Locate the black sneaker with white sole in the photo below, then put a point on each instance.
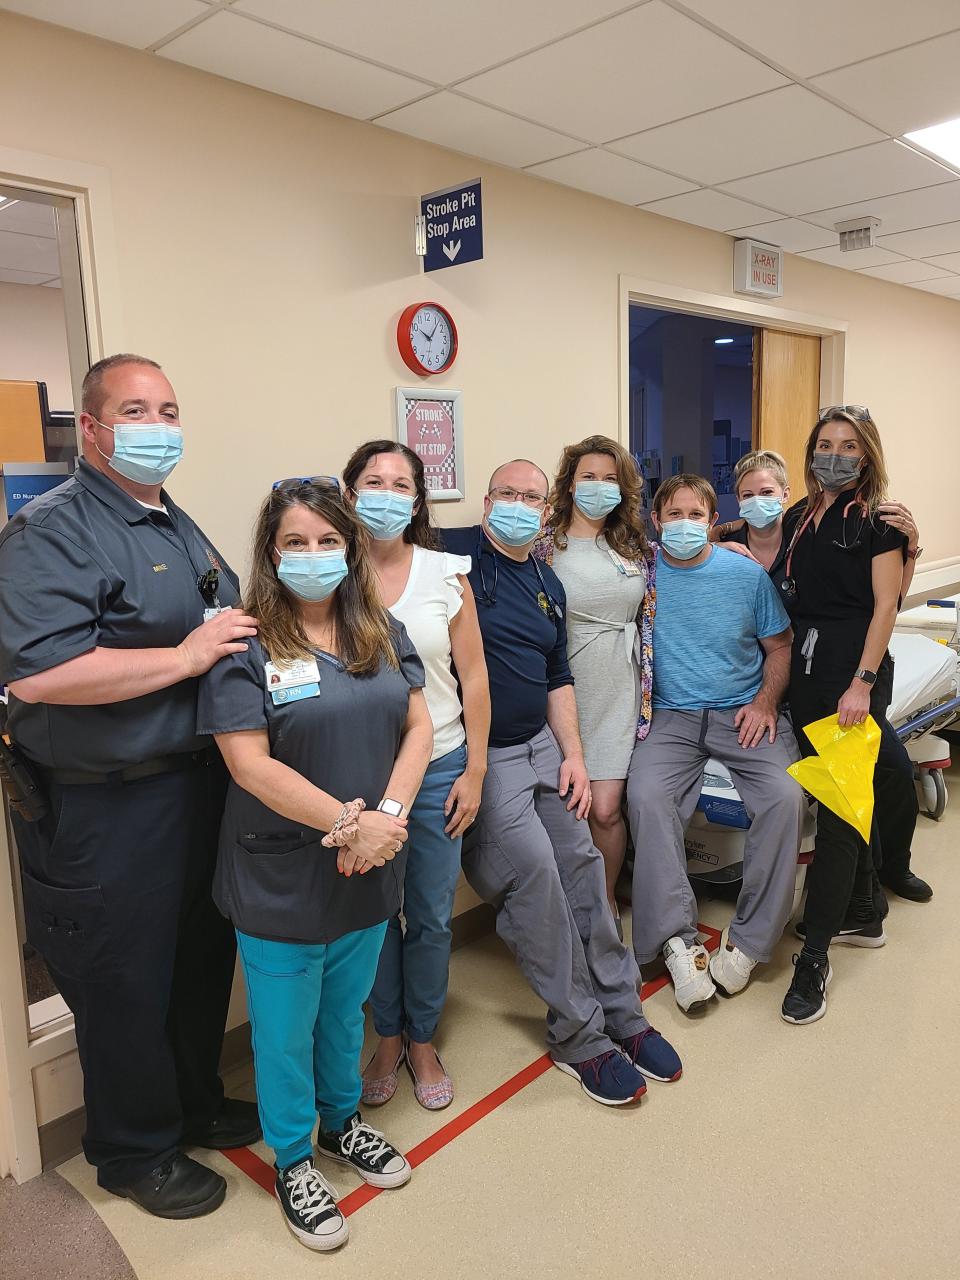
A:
(853, 933)
(310, 1207)
(806, 1001)
(367, 1151)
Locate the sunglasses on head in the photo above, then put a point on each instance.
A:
(854, 411)
(301, 482)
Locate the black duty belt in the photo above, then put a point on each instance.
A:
(133, 773)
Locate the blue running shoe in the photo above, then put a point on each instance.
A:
(608, 1079)
(654, 1056)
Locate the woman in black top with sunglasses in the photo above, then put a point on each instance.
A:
(841, 582)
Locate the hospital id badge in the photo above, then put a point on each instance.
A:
(293, 681)
(629, 568)
(212, 610)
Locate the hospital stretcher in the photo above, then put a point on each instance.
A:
(926, 698)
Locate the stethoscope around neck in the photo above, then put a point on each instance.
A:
(788, 586)
(486, 596)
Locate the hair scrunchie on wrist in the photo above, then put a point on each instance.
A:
(346, 826)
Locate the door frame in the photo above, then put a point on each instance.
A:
(762, 315)
(88, 187)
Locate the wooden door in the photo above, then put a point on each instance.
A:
(788, 371)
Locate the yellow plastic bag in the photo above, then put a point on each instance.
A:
(840, 775)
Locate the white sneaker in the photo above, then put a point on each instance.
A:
(731, 970)
(689, 969)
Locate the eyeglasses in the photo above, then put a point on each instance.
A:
(854, 410)
(505, 494)
(301, 482)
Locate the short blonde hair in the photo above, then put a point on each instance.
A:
(761, 460)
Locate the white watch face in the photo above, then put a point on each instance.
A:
(392, 807)
(431, 338)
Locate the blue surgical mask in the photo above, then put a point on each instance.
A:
(761, 511)
(514, 523)
(684, 538)
(386, 514)
(145, 452)
(596, 498)
(312, 575)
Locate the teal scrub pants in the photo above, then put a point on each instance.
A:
(306, 1018)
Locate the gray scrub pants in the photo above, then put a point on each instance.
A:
(537, 865)
(663, 786)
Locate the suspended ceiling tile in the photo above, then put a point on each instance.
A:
(766, 132)
(8, 275)
(907, 272)
(950, 261)
(925, 242)
(455, 122)
(52, 284)
(835, 257)
(878, 170)
(949, 287)
(611, 176)
(137, 22)
(905, 90)
(710, 209)
(638, 70)
(789, 233)
(903, 212)
(234, 47)
(432, 38)
(29, 217)
(816, 35)
(29, 253)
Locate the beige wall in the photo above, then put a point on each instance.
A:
(33, 339)
(265, 252)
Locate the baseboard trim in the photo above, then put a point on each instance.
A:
(60, 1139)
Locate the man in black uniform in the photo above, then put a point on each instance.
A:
(114, 603)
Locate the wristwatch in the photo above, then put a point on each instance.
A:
(392, 807)
(868, 677)
(915, 554)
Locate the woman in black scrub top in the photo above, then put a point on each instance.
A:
(841, 580)
(325, 730)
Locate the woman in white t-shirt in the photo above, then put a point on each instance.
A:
(427, 590)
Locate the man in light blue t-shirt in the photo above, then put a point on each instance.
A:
(721, 664)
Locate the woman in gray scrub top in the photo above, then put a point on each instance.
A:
(601, 555)
(325, 730)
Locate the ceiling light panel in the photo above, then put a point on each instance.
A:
(816, 35)
(877, 170)
(905, 90)
(232, 46)
(623, 75)
(942, 139)
(611, 176)
(432, 38)
(140, 23)
(766, 132)
(462, 125)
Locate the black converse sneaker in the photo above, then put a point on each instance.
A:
(806, 1001)
(367, 1151)
(310, 1208)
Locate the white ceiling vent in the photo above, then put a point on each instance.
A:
(858, 233)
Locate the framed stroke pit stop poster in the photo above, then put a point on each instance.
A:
(430, 423)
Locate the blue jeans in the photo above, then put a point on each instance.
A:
(306, 1019)
(411, 985)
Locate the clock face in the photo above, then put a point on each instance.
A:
(431, 336)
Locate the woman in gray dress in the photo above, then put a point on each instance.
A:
(601, 554)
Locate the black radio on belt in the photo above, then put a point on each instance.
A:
(18, 778)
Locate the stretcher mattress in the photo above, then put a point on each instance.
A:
(937, 623)
(924, 674)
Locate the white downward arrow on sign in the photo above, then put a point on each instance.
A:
(451, 249)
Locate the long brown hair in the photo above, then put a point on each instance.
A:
(872, 484)
(420, 530)
(364, 635)
(623, 528)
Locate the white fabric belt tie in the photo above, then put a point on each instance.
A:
(583, 628)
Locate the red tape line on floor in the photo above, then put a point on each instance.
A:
(263, 1174)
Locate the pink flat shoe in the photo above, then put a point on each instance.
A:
(376, 1092)
(432, 1097)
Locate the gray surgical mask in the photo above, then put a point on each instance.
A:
(834, 471)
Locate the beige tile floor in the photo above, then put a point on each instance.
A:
(792, 1152)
